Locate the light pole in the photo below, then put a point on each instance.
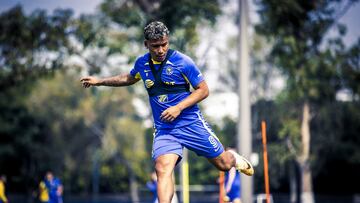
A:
(244, 141)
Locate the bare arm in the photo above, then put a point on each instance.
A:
(115, 81)
(199, 94)
(60, 190)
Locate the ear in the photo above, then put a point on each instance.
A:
(146, 44)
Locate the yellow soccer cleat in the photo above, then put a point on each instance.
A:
(242, 164)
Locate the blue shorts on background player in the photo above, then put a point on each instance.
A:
(152, 186)
(232, 186)
(167, 76)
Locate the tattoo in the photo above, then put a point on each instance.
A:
(119, 80)
(113, 81)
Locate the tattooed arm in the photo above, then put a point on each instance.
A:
(115, 81)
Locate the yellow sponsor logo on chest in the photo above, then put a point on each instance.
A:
(149, 83)
(170, 83)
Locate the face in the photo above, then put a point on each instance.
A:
(49, 176)
(158, 48)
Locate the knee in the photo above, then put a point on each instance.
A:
(163, 168)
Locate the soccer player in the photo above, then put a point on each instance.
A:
(43, 192)
(167, 75)
(232, 186)
(3, 198)
(54, 187)
(152, 186)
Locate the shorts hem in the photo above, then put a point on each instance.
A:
(215, 155)
(163, 153)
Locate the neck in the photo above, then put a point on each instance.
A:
(155, 61)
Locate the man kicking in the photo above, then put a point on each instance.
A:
(167, 75)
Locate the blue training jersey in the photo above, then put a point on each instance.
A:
(179, 69)
(52, 187)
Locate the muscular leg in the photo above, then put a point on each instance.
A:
(224, 162)
(164, 166)
(228, 159)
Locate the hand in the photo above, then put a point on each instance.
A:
(170, 114)
(89, 81)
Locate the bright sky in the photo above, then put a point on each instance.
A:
(351, 19)
(79, 6)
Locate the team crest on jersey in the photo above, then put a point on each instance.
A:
(149, 83)
(169, 71)
(163, 98)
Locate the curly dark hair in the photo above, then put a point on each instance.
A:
(155, 30)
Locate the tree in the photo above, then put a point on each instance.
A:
(124, 140)
(31, 46)
(298, 30)
(40, 113)
(182, 17)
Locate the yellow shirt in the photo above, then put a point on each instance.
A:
(2, 192)
(43, 192)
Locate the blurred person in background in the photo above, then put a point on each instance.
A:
(152, 186)
(232, 186)
(3, 198)
(167, 75)
(43, 192)
(54, 188)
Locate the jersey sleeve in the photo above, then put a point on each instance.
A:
(192, 72)
(134, 71)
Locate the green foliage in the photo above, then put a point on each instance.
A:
(24, 40)
(182, 17)
(29, 49)
(59, 110)
(57, 124)
(114, 177)
(90, 30)
(291, 131)
(124, 138)
(81, 122)
(315, 67)
(298, 30)
(350, 69)
(334, 144)
(126, 13)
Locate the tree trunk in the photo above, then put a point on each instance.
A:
(307, 195)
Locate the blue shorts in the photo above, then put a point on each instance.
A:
(234, 193)
(197, 137)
